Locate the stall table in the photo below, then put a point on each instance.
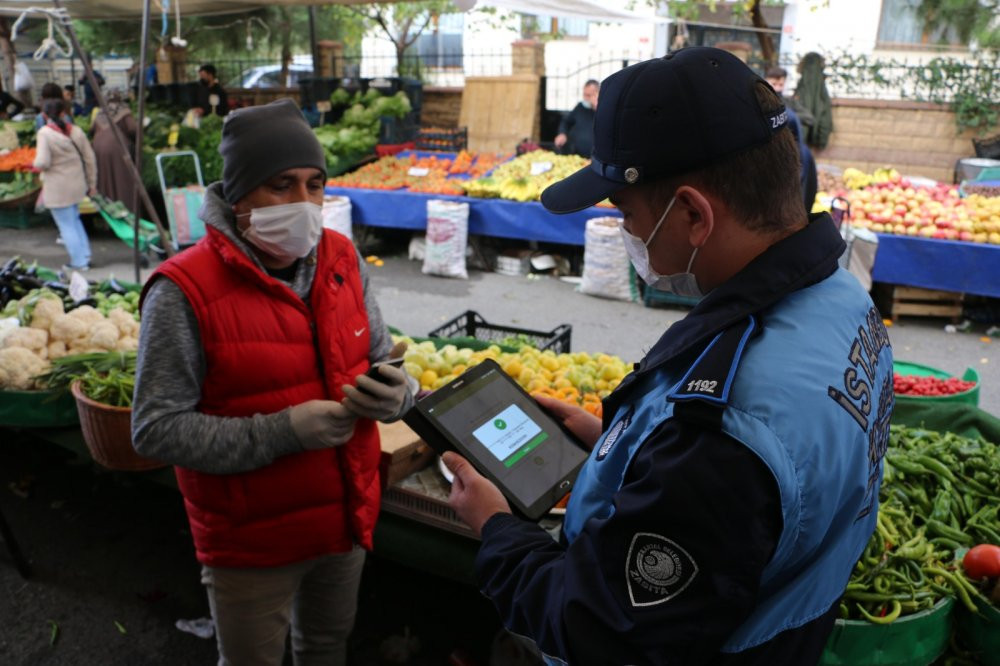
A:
(501, 218)
(970, 268)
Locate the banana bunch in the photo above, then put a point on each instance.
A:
(520, 189)
(524, 178)
(856, 179)
(483, 188)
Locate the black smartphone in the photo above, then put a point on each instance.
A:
(378, 376)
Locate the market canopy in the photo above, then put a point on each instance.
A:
(132, 9)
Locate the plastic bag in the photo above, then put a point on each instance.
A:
(337, 214)
(606, 267)
(447, 236)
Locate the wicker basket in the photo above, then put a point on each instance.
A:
(107, 431)
(23, 200)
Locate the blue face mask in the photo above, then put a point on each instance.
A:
(680, 284)
(586, 104)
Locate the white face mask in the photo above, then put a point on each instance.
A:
(286, 231)
(680, 284)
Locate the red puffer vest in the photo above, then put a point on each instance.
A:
(262, 355)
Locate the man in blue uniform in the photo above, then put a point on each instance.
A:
(734, 480)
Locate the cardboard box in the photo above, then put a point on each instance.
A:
(403, 452)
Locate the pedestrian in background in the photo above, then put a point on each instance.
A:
(69, 173)
(808, 178)
(114, 179)
(576, 131)
(69, 96)
(811, 94)
(50, 92)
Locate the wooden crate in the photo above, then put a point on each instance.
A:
(917, 302)
(500, 111)
(403, 452)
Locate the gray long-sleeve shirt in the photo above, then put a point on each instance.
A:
(170, 370)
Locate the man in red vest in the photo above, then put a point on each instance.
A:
(253, 347)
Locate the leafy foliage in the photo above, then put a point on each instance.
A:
(969, 87)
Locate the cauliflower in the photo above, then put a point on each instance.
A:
(46, 310)
(87, 314)
(104, 335)
(127, 344)
(18, 368)
(57, 349)
(126, 323)
(67, 328)
(32, 339)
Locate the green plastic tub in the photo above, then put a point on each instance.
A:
(912, 640)
(37, 409)
(906, 368)
(980, 632)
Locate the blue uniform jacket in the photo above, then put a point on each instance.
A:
(688, 539)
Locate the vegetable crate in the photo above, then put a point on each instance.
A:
(450, 140)
(925, 303)
(472, 325)
(914, 640)
(22, 216)
(905, 368)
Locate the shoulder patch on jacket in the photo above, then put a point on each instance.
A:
(711, 376)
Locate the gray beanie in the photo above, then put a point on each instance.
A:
(259, 142)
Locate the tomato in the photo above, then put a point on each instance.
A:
(982, 561)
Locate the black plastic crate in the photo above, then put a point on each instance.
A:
(988, 147)
(448, 140)
(316, 89)
(472, 325)
(398, 130)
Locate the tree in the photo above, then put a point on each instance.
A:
(689, 9)
(970, 19)
(403, 23)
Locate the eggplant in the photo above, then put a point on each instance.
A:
(11, 265)
(28, 281)
(115, 287)
(6, 295)
(32, 270)
(58, 287)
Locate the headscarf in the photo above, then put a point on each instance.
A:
(117, 107)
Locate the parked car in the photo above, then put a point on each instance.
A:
(269, 76)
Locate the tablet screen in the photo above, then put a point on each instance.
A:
(491, 420)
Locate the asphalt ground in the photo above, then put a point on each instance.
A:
(416, 303)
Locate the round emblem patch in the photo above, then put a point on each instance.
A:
(631, 175)
(656, 569)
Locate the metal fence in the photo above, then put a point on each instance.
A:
(938, 80)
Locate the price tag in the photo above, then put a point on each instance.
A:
(324, 106)
(213, 100)
(418, 172)
(538, 168)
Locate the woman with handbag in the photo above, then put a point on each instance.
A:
(69, 172)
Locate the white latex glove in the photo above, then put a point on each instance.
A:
(371, 399)
(320, 424)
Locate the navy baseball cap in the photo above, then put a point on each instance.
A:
(664, 117)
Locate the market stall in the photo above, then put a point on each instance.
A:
(502, 197)
(931, 235)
